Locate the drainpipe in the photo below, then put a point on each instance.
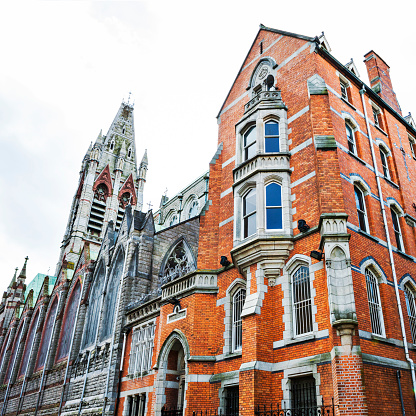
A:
(393, 268)
(115, 322)
(95, 342)
(70, 351)
(22, 391)
(11, 374)
(58, 308)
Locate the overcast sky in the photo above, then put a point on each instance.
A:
(66, 66)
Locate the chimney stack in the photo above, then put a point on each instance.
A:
(379, 75)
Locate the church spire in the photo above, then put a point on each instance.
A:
(14, 278)
(22, 274)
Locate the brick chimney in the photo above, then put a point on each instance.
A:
(379, 75)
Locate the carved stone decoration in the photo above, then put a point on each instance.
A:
(128, 188)
(104, 178)
(263, 72)
(101, 193)
(125, 199)
(177, 264)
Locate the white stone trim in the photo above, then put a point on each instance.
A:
(303, 179)
(298, 114)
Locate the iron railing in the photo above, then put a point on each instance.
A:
(323, 410)
(175, 411)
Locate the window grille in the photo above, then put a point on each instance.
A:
(351, 138)
(67, 328)
(137, 405)
(250, 143)
(303, 393)
(95, 222)
(141, 350)
(237, 328)
(396, 228)
(411, 310)
(93, 312)
(29, 342)
(384, 163)
(271, 137)
(373, 294)
(302, 302)
(111, 297)
(232, 401)
(178, 264)
(274, 215)
(13, 355)
(249, 213)
(46, 336)
(361, 211)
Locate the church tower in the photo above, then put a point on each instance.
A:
(109, 181)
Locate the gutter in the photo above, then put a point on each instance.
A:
(391, 258)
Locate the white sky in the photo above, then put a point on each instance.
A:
(66, 66)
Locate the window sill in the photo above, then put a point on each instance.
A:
(231, 355)
(301, 338)
(365, 234)
(390, 182)
(403, 254)
(381, 130)
(347, 102)
(356, 157)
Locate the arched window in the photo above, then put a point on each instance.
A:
(29, 343)
(302, 301)
(112, 143)
(93, 313)
(384, 164)
(411, 310)
(16, 345)
(101, 193)
(193, 209)
(250, 143)
(374, 304)
(3, 351)
(46, 336)
(274, 214)
(396, 228)
(249, 213)
(271, 137)
(111, 297)
(351, 138)
(125, 199)
(237, 323)
(361, 209)
(69, 322)
(174, 220)
(178, 263)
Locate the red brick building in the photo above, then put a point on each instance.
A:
(284, 276)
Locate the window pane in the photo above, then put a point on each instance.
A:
(250, 202)
(302, 303)
(411, 311)
(250, 136)
(303, 392)
(28, 346)
(274, 218)
(250, 225)
(273, 195)
(14, 353)
(272, 144)
(374, 303)
(46, 336)
(250, 151)
(272, 128)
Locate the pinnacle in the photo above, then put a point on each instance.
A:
(22, 274)
(14, 277)
(144, 159)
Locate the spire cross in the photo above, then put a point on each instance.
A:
(149, 205)
(166, 191)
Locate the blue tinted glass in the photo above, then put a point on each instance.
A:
(250, 136)
(274, 218)
(272, 128)
(273, 195)
(250, 202)
(272, 144)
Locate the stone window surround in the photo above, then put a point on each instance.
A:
(382, 146)
(228, 304)
(349, 120)
(393, 205)
(346, 83)
(286, 281)
(365, 189)
(140, 392)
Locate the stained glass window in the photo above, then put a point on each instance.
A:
(46, 336)
(111, 297)
(28, 346)
(68, 324)
(14, 353)
(93, 313)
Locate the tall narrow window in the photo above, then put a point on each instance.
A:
(344, 90)
(374, 304)
(376, 114)
(193, 209)
(46, 336)
(351, 139)
(411, 310)
(396, 228)
(274, 215)
(303, 395)
(302, 302)
(271, 137)
(112, 143)
(29, 343)
(12, 359)
(110, 301)
(90, 329)
(232, 401)
(174, 220)
(69, 321)
(237, 328)
(250, 143)
(412, 143)
(142, 350)
(361, 211)
(249, 213)
(384, 164)
(3, 350)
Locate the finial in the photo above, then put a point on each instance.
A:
(166, 192)
(144, 159)
(149, 205)
(128, 101)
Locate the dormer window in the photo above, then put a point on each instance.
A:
(271, 137)
(250, 143)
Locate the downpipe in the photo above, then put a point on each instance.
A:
(115, 323)
(391, 258)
